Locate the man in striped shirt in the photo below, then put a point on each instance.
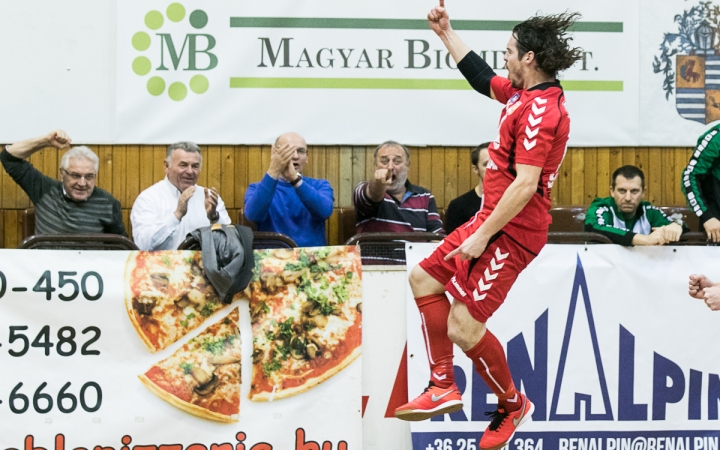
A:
(389, 202)
(72, 205)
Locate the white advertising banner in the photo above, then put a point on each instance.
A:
(606, 343)
(71, 357)
(353, 72)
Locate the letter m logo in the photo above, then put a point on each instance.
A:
(192, 41)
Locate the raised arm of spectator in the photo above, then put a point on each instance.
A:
(365, 206)
(31, 180)
(701, 163)
(23, 149)
(259, 197)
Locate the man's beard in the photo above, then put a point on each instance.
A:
(398, 185)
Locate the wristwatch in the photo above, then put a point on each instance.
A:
(296, 180)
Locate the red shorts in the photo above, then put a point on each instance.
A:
(481, 283)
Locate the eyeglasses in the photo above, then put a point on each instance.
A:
(78, 176)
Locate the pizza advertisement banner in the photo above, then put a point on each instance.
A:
(607, 344)
(135, 351)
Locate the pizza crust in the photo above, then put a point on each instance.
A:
(309, 383)
(129, 268)
(185, 406)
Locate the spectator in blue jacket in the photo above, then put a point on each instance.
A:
(285, 201)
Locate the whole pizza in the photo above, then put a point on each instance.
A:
(306, 314)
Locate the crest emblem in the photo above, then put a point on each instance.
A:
(696, 51)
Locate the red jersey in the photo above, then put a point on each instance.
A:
(533, 130)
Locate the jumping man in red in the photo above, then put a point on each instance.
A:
(479, 262)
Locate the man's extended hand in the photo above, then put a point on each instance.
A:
(712, 228)
(439, 19)
(471, 248)
(712, 297)
(279, 160)
(697, 285)
(182, 205)
(383, 176)
(671, 232)
(211, 202)
(58, 139)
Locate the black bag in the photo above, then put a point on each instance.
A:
(227, 257)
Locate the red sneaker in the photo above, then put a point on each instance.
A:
(503, 425)
(432, 402)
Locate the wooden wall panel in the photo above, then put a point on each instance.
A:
(127, 170)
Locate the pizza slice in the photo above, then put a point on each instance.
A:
(306, 313)
(167, 295)
(203, 376)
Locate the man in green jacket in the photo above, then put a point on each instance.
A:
(701, 182)
(625, 218)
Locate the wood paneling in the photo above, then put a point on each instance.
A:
(127, 170)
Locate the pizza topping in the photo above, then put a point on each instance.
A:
(145, 305)
(283, 253)
(271, 282)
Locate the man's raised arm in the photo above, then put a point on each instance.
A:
(23, 149)
(439, 21)
(473, 67)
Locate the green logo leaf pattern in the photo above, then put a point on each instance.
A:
(141, 42)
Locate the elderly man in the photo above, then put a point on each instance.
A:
(71, 205)
(167, 211)
(463, 208)
(389, 202)
(625, 218)
(287, 202)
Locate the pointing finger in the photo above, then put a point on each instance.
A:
(442, 3)
(452, 254)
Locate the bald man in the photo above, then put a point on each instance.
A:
(287, 202)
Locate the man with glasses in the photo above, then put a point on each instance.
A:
(287, 202)
(73, 204)
(164, 214)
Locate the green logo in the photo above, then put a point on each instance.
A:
(196, 47)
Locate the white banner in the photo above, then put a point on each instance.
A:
(70, 360)
(352, 72)
(606, 343)
(357, 72)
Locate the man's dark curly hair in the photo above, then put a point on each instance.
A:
(546, 36)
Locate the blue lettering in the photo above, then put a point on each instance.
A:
(694, 395)
(713, 396)
(664, 369)
(627, 409)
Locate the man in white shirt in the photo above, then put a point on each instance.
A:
(164, 214)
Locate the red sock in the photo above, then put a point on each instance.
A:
(489, 359)
(434, 312)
